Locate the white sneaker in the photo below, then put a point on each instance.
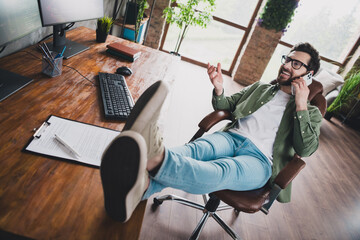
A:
(123, 174)
(144, 116)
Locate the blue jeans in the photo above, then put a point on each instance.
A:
(218, 161)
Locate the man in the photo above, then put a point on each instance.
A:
(270, 125)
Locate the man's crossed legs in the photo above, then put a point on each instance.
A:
(136, 164)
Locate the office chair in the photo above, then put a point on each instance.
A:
(244, 201)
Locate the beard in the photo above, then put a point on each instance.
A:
(284, 77)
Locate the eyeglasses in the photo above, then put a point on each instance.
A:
(295, 64)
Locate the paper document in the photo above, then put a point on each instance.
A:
(72, 140)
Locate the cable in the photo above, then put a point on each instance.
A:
(81, 75)
(51, 34)
(63, 65)
(69, 26)
(46, 37)
(3, 48)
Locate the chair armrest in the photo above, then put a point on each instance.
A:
(289, 172)
(213, 118)
(282, 180)
(210, 120)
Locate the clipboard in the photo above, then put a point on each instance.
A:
(60, 138)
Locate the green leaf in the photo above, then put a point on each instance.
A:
(186, 14)
(277, 14)
(104, 24)
(349, 91)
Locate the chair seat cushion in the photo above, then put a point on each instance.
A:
(246, 201)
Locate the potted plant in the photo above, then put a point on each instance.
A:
(348, 93)
(104, 25)
(142, 5)
(271, 25)
(277, 14)
(184, 13)
(134, 15)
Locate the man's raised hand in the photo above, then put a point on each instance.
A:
(216, 78)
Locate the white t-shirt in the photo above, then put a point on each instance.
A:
(261, 126)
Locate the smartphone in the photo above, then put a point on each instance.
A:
(308, 79)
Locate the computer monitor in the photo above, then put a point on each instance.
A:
(17, 19)
(57, 13)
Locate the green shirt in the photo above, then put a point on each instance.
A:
(298, 131)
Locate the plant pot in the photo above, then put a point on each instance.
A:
(328, 115)
(261, 47)
(101, 36)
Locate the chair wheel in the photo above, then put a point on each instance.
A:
(237, 212)
(157, 202)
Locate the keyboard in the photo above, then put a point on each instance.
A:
(115, 96)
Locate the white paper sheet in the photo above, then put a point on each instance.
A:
(89, 141)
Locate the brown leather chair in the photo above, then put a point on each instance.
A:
(244, 201)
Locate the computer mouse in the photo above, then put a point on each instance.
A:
(124, 71)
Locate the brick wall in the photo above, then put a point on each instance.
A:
(257, 55)
(157, 24)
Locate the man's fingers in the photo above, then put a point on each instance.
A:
(211, 68)
(219, 68)
(300, 82)
(208, 67)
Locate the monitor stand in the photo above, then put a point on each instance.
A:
(60, 41)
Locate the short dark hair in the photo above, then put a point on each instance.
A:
(314, 63)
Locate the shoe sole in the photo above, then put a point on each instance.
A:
(149, 103)
(123, 170)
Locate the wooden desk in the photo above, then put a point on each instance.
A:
(43, 198)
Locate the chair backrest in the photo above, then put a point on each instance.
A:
(315, 96)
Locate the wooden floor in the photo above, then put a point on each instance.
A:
(326, 196)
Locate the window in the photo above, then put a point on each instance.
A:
(236, 11)
(217, 42)
(221, 40)
(332, 27)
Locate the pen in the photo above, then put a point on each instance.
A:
(62, 53)
(47, 58)
(60, 140)
(48, 51)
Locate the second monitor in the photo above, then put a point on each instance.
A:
(57, 13)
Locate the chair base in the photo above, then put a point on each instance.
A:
(209, 209)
